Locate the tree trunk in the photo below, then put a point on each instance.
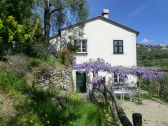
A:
(112, 108)
(138, 87)
(34, 30)
(47, 21)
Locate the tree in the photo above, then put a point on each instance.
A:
(10, 32)
(98, 66)
(20, 9)
(16, 37)
(56, 14)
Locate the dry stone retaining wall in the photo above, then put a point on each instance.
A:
(57, 78)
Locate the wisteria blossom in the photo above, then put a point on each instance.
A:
(100, 65)
(37, 71)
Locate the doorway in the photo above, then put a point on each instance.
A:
(80, 82)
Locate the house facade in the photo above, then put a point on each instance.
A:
(105, 39)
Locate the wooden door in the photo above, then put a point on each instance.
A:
(80, 82)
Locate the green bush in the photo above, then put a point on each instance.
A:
(66, 57)
(37, 52)
(11, 31)
(15, 37)
(157, 87)
(34, 63)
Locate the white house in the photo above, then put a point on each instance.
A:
(105, 39)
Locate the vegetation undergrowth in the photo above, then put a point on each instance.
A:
(11, 82)
(154, 56)
(37, 107)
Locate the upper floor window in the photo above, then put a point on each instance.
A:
(118, 47)
(82, 46)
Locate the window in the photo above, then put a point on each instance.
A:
(118, 46)
(117, 79)
(82, 46)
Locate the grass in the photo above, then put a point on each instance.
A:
(37, 107)
(34, 62)
(11, 82)
(63, 111)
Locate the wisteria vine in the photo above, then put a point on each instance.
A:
(100, 65)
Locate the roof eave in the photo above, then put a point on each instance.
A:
(110, 21)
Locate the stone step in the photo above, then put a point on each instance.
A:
(85, 96)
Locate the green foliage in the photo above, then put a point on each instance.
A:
(66, 56)
(39, 107)
(73, 44)
(36, 34)
(144, 96)
(34, 63)
(11, 82)
(76, 113)
(60, 13)
(153, 56)
(16, 37)
(10, 32)
(86, 114)
(20, 9)
(157, 88)
(37, 52)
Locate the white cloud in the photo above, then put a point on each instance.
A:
(145, 40)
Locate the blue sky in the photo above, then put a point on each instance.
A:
(149, 17)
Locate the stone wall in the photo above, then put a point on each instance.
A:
(55, 78)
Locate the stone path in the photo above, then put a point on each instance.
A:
(154, 113)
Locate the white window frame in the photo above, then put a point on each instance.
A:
(81, 46)
(124, 81)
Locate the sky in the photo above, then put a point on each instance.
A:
(149, 17)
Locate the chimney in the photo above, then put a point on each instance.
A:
(105, 13)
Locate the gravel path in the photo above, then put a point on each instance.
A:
(154, 113)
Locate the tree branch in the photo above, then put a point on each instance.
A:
(56, 10)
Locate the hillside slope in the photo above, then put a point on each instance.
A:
(27, 101)
(152, 56)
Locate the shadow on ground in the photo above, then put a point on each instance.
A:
(44, 108)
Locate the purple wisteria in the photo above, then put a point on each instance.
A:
(147, 73)
(100, 65)
(93, 66)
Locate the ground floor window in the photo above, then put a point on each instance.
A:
(117, 79)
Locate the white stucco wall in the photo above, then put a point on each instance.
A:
(100, 35)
